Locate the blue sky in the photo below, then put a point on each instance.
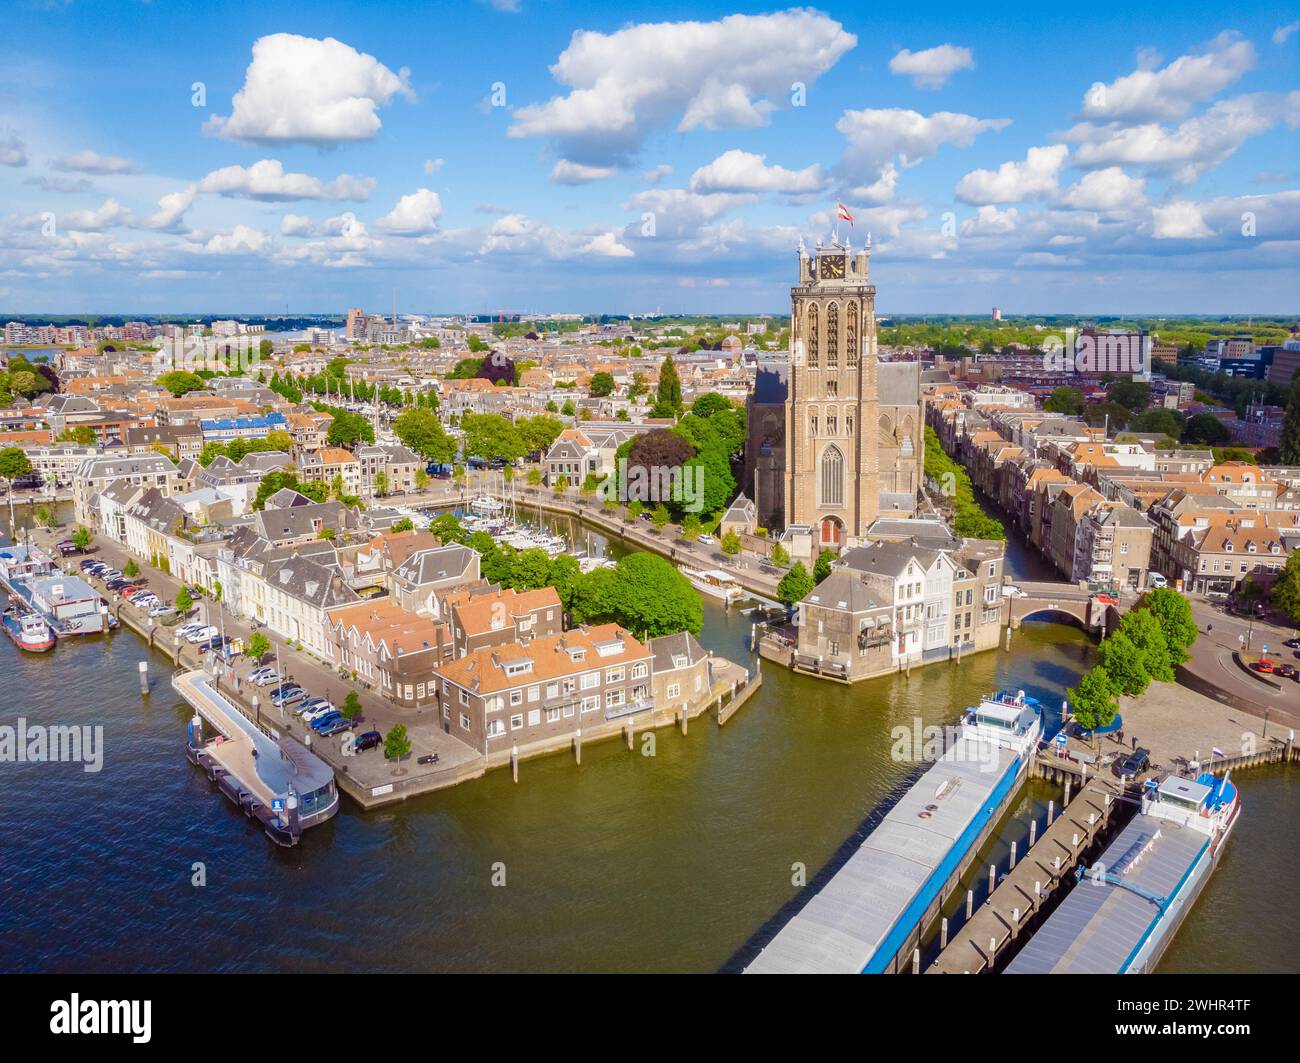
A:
(541, 155)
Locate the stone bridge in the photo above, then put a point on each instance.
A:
(1037, 600)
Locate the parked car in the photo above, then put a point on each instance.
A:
(312, 704)
(215, 643)
(1134, 764)
(201, 634)
(1262, 665)
(707, 540)
(284, 696)
(1286, 671)
(267, 678)
(1105, 599)
(1010, 590)
(367, 741)
(325, 719)
(314, 714)
(186, 630)
(336, 727)
(161, 609)
(1292, 644)
(1157, 579)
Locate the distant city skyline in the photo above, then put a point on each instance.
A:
(519, 155)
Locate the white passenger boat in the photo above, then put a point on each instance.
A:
(715, 583)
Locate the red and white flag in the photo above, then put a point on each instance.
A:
(842, 212)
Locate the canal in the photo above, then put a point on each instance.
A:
(662, 862)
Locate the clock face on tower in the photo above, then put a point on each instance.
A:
(831, 267)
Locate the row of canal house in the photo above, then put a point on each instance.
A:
(1110, 511)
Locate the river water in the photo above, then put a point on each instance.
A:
(663, 862)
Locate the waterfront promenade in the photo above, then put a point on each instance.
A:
(368, 777)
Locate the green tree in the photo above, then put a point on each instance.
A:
(381, 484)
(591, 600)
(348, 429)
(731, 543)
(710, 403)
(795, 584)
(602, 384)
(396, 743)
(534, 477)
(422, 431)
(1174, 613)
(130, 570)
(1125, 664)
(184, 600)
(351, 709)
(670, 388)
(258, 647)
(82, 538)
(182, 383)
(651, 598)
(659, 516)
(1133, 394)
(448, 528)
(45, 518)
(1143, 628)
(1206, 428)
(1286, 588)
(780, 556)
(1093, 700)
(822, 566)
(491, 436)
(1064, 400)
(406, 524)
(13, 463)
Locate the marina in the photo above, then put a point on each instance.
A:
(869, 917)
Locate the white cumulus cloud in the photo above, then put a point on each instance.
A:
(1110, 189)
(268, 180)
(931, 68)
(1179, 221)
(93, 163)
(304, 90)
(743, 171)
(701, 75)
(416, 214)
(879, 138)
(1013, 182)
(575, 173)
(1154, 95)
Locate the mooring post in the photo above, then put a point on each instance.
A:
(1033, 832)
(144, 677)
(1067, 794)
(1051, 811)
(970, 903)
(514, 763)
(943, 933)
(1013, 856)
(916, 961)
(577, 745)
(993, 878)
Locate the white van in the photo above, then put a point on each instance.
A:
(1156, 579)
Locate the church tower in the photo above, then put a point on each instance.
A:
(832, 460)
